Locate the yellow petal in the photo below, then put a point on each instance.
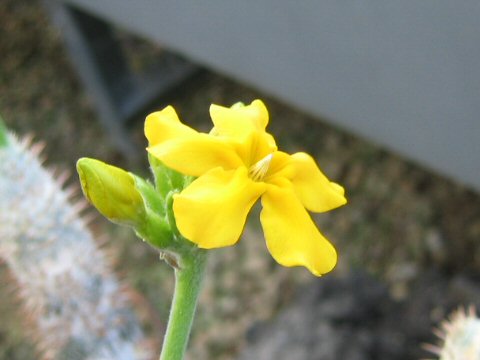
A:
(239, 121)
(292, 237)
(254, 147)
(195, 155)
(314, 190)
(212, 211)
(280, 167)
(165, 125)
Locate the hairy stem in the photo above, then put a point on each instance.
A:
(188, 281)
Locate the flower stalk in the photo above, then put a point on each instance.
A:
(188, 281)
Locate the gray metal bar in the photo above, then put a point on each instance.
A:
(117, 92)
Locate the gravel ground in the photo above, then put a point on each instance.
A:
(401, 219)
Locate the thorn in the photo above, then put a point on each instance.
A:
(80, 205)
(71, 190)
(62, 177)
(102, 241)
(432, 348)
(37, 148)
(41, 159)
(88, 218)
(26, 140)
(439, 333)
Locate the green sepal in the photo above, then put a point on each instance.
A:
(169, 212)
(156, 229)
(160, 229)
(167, 179)
(151, 197)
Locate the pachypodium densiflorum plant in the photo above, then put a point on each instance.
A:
(460, 336)
(76, 307)
(205, 184)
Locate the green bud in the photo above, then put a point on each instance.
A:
(112, 191)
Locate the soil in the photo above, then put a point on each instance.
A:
(402, 224)
(354, 317)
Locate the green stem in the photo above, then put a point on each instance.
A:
(188, 279)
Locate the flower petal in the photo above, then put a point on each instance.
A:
(165, 125)
(255, 147)
(196, 154)
(239, 121)
(212, 211)
(292, 237)
(280, 167)
(312, 187)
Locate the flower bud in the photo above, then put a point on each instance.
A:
(112, 191)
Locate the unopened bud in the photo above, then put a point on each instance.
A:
(112, 191)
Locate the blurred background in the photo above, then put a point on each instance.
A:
(388, 107)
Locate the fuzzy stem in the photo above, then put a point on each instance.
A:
(188, 281)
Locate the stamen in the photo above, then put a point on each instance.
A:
(258, 171)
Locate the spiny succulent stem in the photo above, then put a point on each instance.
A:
(77, 306)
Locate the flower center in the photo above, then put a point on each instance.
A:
(257, 171)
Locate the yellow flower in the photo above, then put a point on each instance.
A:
(236, 164)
